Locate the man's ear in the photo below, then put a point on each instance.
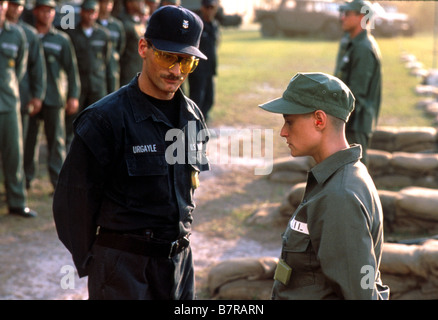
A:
(142, 47)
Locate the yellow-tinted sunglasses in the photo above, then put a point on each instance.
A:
(168, 60)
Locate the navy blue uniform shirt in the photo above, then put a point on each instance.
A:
(117, 174)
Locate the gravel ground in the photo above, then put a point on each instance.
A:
(31, 266)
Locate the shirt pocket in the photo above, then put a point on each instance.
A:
(295, 242)
(148, 179)
(9, 52)
(146, 165)
(297, 254)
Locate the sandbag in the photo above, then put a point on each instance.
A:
(422, 202)
(415, 162)
(240, 268)
(416, 260)
(246, 290)
(293, 164)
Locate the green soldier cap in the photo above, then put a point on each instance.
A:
(360, 6)
(90, 5)
(48, 3)
(308, 92)
(19, 2)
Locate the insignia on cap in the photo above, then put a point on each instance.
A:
(185, 24)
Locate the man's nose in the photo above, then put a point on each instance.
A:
(176, 69)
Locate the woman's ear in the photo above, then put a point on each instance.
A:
(320, 119)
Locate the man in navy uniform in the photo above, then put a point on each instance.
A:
(123, 205)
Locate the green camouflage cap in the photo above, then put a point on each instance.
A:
(48, 3)
(308, 92)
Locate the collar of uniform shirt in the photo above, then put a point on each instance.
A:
(143, 111)
(322, 171)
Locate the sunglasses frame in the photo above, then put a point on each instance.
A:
(158, 54)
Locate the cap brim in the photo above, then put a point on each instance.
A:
(176, 47)
(283, 106)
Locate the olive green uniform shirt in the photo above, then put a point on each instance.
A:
(33, 84)
(118, 41)
(93, 54)
(13, 64)
(333, 242)
(61, 63)
(358, 65)
(130, 61)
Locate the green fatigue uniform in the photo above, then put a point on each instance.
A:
(130, 61)
(118, 43)
(13, 63)
(62, 83)
(332, 246)
(93, 53)
(333, 242)
(359, 67)
(33, 84)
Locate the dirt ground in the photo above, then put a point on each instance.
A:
(35, 265)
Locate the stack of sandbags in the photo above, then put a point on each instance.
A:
(431, 78)
(411, 271)
(242, 278)
(429, 85)
(430, 108)
(413, 209)
(405, 139)
(291, 169)
(388, 170)
(426, 90)
(403, 169)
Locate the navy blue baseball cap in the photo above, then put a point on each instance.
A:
(175, 29)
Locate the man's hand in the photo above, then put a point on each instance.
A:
(72, 106)
(34, 106)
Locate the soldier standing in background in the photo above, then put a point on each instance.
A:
(132, 19)
(152, 5)
(13, 63)
(60, 61)
(33, 84)
(170, 3)
(92, 44)
(358, 65)
(118, 40)
(201, 81)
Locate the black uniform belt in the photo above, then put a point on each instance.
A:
(141, 246)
